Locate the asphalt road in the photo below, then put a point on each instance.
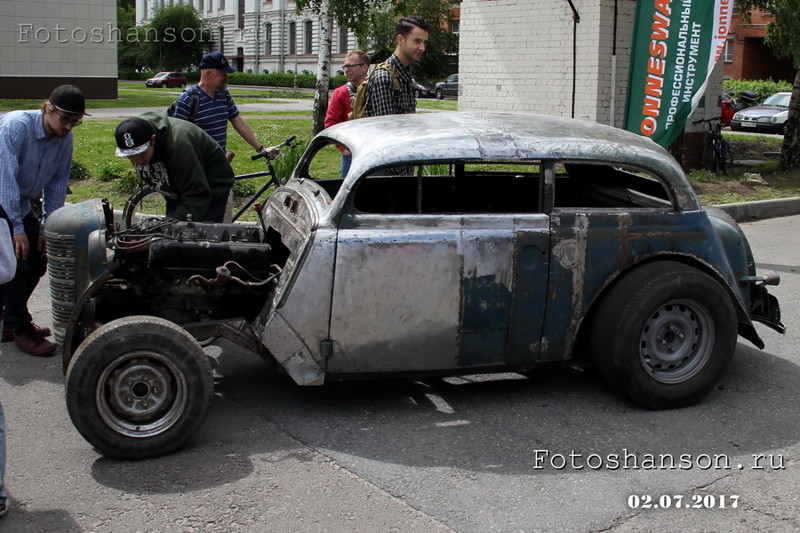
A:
(476, 454)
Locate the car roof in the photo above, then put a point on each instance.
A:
(496, 136)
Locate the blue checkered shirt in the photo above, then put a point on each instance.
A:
(31, 165)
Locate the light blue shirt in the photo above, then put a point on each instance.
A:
(30, 165)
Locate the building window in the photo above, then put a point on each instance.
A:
(200, 5)
(221, 4)
(455, 27)
(343, 40)
(240, 15)
(222, 40)
(728, 52)
(308, 35)
(292, 38)
(268, 39)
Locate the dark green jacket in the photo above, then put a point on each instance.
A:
(188, 167)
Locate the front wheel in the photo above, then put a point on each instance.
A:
(439, 94)
(139, 387)
(147, 202)
(664, 335)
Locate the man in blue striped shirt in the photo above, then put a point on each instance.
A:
(216, 108)
(35, 160)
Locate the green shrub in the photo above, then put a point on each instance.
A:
(114, 170)
(763, 88)
(78, 172)
(128, 182)
(244, 188)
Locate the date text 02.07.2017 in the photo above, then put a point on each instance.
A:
(679, 501)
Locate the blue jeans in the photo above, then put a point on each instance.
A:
(29, 271)
(345, 166)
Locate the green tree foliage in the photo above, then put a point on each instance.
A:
(174, 39)
(129, 55)
(783, 37)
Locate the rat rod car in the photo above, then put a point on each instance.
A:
(458, 243)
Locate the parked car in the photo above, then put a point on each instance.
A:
(768, 117)
(423, 88)
(458, 243)
(167, 79)
(448, 87)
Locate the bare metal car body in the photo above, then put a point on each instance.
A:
(457, 243)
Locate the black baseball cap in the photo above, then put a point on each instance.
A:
(133, 136)
(69, 99)
(216, 60)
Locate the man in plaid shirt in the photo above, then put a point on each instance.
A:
(382, 99)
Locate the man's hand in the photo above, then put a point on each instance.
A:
(21, 247)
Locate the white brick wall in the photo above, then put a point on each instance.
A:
(58, 38)
(518, 55)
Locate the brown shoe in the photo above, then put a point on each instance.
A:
(32, 343)
(8, 333)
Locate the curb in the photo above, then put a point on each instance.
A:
(762, 209)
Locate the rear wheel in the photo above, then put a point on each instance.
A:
(139, 387)
(725, 157)
(439, 94)
(664, 335)
(709, 158)
(145, 203)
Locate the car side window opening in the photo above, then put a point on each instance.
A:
(595, 185)
(452, 188)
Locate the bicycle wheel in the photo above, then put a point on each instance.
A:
(709, 157)
(146, 202)
(726, 156)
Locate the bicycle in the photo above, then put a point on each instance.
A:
(717, 153)
(147, 202)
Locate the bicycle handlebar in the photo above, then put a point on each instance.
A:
(273, 151)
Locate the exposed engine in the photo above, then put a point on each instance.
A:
(187, 272)
(184, 272)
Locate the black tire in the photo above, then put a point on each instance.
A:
(139, 387)
(439, 94)
(183, 85)
(709, 158)
(417, 93)
(726, 157)
(664, 335)
(146, 202)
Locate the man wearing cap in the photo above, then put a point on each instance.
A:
(181, 161)
(216, 107)
(35, 160)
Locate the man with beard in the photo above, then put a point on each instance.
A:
(35, 160)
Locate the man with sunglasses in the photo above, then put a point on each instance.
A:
(356, 66)
(35, 160)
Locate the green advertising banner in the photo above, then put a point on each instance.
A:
(676, 44)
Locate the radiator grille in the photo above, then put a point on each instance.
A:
(61, 264)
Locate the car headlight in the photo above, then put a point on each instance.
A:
(765, 119)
